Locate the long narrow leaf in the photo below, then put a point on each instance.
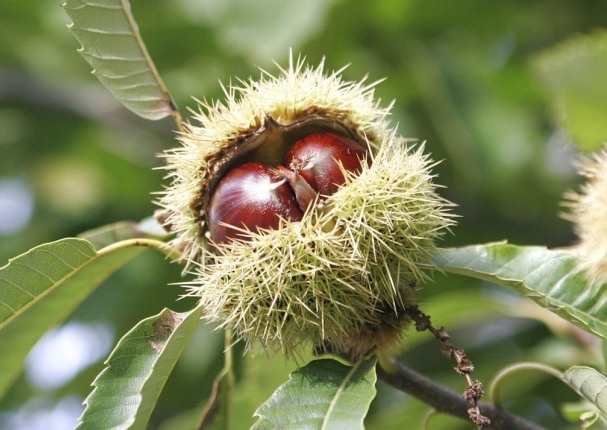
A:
(545, 276)
(112, 45)
(259, 379)
(325, 394)
(40, 288)
(591, 385)
(128, 388)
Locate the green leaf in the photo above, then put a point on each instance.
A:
(258, 380)
(574, 73)
(547, 277)
(127, 390)
(583, 414)
(324, 394)
(591, 385)
(112, 45)
(40, 288)
(216, 412)
(107, 235)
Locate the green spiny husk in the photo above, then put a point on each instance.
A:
(343, 270)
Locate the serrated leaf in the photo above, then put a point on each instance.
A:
(112, 45)
(40, 288)
(127, 390)
(574, 74)
(591, 385)
(325, 394)
(547, 277)
(259, 379)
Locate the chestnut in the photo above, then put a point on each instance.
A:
(315, 158)
(254, 196)
(251, 196)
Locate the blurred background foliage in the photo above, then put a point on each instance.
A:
(497, 89)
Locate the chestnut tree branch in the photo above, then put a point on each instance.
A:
(475, 390)
(447, 401)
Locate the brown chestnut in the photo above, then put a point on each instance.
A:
(254, 196)
(316, 156)
(251, 196)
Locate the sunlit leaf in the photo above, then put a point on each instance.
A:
(259, 379)
(40, 288)
(324, 394)
(574, 73)
(127, 390)
(113, 46)
(591, 385)
(545, 276)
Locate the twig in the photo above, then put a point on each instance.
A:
(447, 401)
(474, 391)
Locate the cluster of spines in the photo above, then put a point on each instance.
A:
(341, 277)
(339, 270)
(297, 91)
(588, 212)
